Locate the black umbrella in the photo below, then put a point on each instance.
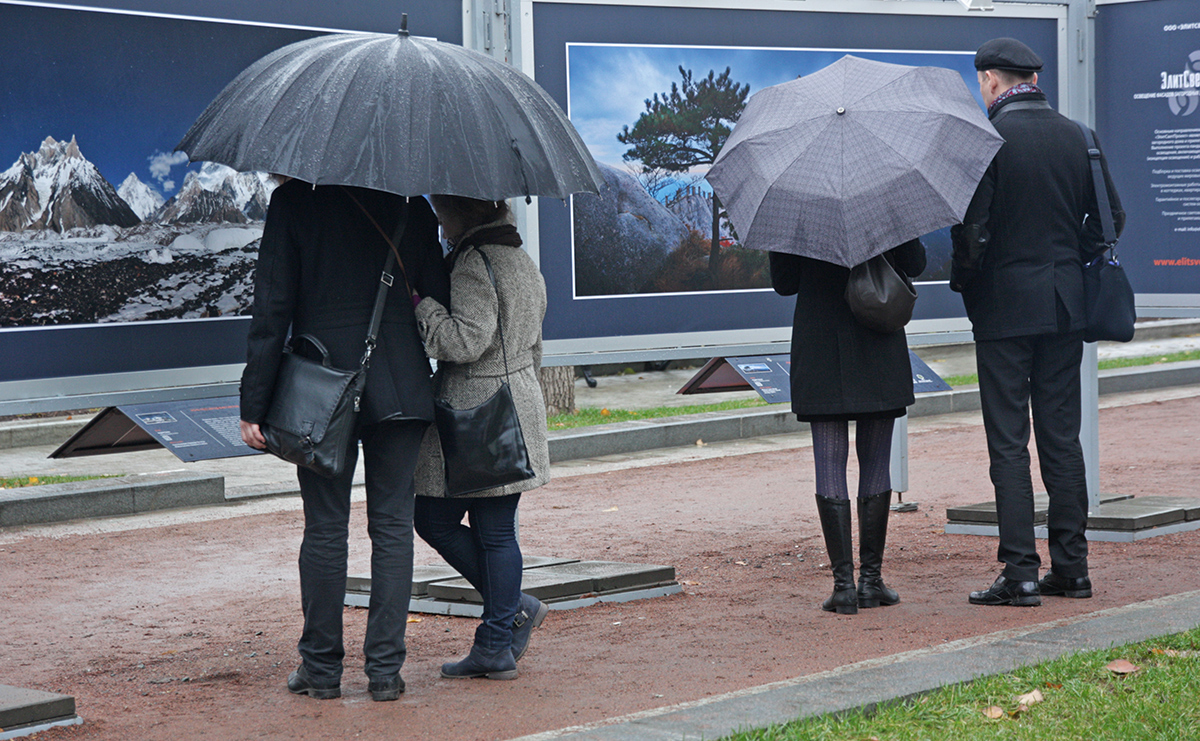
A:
(395, 113)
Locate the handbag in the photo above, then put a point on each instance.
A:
(314, 406)
(880, 297)
(1107, 294)
(483, 447)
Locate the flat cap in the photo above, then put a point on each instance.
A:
(1007, 54)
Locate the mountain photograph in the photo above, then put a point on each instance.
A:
(100, 219)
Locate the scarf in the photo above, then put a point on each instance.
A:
(1022, 87)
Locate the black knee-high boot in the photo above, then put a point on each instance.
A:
(835, 524)
(872, 534)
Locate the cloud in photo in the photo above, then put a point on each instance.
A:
(160, 167)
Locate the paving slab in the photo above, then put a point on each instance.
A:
(1135, 515)
(30, 710)
(1189, 505)
(985, 512)
(610, 576)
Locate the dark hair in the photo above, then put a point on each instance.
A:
(471, 212)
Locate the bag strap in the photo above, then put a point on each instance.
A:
(1102, 202)
(391, 241)
(385, 280)
(499, 323)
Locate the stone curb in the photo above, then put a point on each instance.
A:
(630, 437)
(899, 677)
(121, 495)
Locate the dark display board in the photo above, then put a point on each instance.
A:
(1148, 121)
(627, 44)
(95, 98)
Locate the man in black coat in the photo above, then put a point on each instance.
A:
(1018, 262)
(319, 268)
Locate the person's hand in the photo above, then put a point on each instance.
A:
(252, 435)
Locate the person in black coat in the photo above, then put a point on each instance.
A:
(1018, 262)
(843, 371)
(319, 267)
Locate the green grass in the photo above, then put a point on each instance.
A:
(591, 416)
(20, 481)
(972, 379)
(1082, 700)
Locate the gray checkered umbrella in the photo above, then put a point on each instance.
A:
(853, 160)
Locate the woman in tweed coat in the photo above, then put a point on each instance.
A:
(465, 341)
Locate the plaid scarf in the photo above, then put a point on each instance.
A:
(1022, 87)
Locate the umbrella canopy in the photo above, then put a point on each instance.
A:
(853, 160)
(395, 113)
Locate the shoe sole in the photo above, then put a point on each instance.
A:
(318, 694)
(504, 675)
(1070, 594)
(386, 695)
(1016, 602)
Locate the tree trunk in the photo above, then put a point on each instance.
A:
(558, 388)
(714, 251)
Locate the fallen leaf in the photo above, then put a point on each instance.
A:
(605, 413)
(610, 509)
(691, 583)
(1121, 666)
(414, 620)
(994, 712)
(700, 443)
(740, 563)
(1030, 698)
(1054, 686)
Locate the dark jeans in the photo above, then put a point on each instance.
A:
(390, 457)
(1042, 371)
(485, 553)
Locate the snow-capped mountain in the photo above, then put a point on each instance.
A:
(57, 188)
(218, 194)
(143, 199)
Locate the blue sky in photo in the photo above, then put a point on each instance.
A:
(609, 84)
(126, 87)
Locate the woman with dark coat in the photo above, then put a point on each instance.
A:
(843, 371)
(464, 336)
(319, 267)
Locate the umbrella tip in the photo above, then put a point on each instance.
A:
(841, 111)
(403, 24)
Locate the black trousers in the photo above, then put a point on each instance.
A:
(1041, 371)
(390, 458)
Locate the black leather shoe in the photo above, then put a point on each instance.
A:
(385, 689)
(299, 683)
(530, 615)
(1053, 585)
(1008, 592)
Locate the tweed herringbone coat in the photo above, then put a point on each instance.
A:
(465, 341)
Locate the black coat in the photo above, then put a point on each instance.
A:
(318, 270)
(1019, 253)
(841, 369)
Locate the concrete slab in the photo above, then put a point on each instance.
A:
(544, 586)
(985, 512)
(1135, 515)
(120, 495)
(609, 576)
(32, 710)
(1189, 505)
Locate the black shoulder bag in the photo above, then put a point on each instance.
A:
(1107, 294)
(314, 407)
(880, 297)
(483, 447)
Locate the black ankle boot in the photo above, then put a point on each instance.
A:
(835, 524)
(872, 534)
